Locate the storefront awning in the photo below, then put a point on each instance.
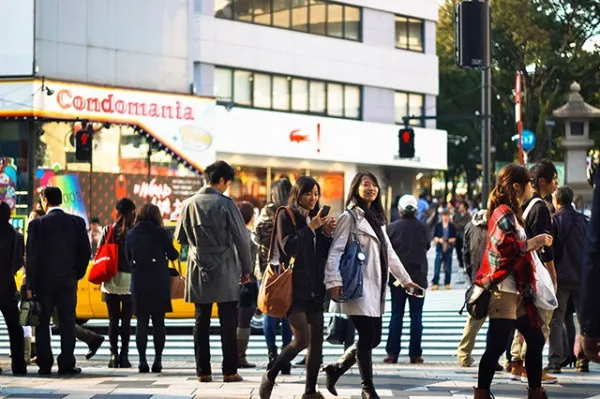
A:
(179, 123)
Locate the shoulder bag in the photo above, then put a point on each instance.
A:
(276, 290)
(106, 262)
(177, 280)
(350, 266)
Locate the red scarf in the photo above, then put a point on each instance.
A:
(507, 254)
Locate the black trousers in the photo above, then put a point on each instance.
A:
(120, 308)
(64, 299)
(81, 333)
(10, 312)
(159, 333)
(228, 321)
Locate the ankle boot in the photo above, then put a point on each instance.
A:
(537, 393)
(124, 359)
(27, 351)
(334, 371)
(272, 356)
(482, 393)
(365, 366)
(114, 361)
(143, 366)
(157, 365)
(243, 338)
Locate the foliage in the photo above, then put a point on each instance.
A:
(549, 41)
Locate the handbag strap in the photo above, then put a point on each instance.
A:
(274, 232)
(177, 264)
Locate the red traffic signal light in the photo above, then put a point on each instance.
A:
(406, 143)
(83, 145)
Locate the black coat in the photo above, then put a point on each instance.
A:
(148, 247)
(58, 251)
(310, 251)
(569, 229)
(590, 274)
(411, 240)
(11, 259)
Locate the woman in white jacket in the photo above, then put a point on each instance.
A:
(365, 207)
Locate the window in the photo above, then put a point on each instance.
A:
(288, 93)
(409, 104)
(320, 17)
(281, 93)
(242, 88)
(409, 33)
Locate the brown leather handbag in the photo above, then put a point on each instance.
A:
(276, 290)
(177, 281)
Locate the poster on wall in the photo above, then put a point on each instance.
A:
(166, 192)
(8, 182)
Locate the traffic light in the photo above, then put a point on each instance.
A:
(406, 138)
(83, 145)
(472, 34)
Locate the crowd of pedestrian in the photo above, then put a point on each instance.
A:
(499, 248)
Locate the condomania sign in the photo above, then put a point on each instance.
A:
(182, 123)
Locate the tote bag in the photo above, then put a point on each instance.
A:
(177, 280)
(106, 262)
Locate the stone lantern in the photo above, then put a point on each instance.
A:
(577, 114)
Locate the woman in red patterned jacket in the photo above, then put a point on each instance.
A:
(508, 270)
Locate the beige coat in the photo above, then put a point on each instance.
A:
(370, 304)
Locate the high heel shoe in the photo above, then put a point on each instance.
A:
(157, 365)
(568, 362)
(113, 363)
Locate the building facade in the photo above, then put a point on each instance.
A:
(275, 87)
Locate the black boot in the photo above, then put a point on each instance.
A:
(365, 365)
(124, 359)
(272, 356)
(334, 371)
(143, 366)
(114, 362)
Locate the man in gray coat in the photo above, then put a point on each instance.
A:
(212, 226)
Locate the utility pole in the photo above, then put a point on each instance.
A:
(486, 114)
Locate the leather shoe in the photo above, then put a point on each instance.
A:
(71, 371)
(94, 346)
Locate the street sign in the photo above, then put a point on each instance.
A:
(528, 140)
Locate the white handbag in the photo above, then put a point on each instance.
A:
(544, 289)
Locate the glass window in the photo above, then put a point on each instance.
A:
(300, 15)
(281, 13)
(224, 9)
(415, 107)
(262, 12)
(223, 84)
(242, 89)
(317, 97)
(243, 10)
(335, 99)
(262, 90)
(415, 34)
(400, 106)
(281, 93)
(299, 95)
(352, 102)
(335, 20)
(318, 17)
(352, 23)
(401, 32)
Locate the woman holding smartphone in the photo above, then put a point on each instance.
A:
(364, 214)
(303, 233)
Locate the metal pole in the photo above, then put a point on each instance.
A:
(486, 124)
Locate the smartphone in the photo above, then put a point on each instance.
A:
(416, 292)
(325, 210)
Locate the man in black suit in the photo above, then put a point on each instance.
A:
(11, 260)
(58, 252)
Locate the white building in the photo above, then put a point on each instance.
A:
(301, 86)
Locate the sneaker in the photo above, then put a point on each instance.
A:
(435, 287)
(524, 376)
(448, 286)
(548, 379)
(517, 370)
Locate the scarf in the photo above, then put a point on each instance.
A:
(376, 221)
(506, 254)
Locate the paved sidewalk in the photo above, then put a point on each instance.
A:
(404, 381)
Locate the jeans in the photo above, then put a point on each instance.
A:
(228, 321)
(446, 259)
(270, 331)
(399, 298)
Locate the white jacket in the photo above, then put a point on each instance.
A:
(370, 304)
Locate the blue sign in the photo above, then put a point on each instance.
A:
(528, 138)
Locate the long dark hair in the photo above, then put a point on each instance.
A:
(280, 192)
(505, 194)
(304, 185)
(376, 210)
(125, 217)
(149, 213)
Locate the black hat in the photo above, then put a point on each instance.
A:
(125, 205)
